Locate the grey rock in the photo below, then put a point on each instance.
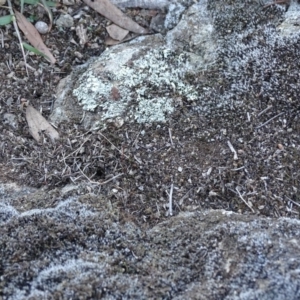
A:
(291, 23)
(158, 23)
(150, 74)
(65, 21)
(41, 27)
(142, 75)
(10, 120)
(77, 247)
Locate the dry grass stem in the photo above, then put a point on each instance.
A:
(262, 125)
(244, 200)
(18, 34)
(121, 152)
(75, 151)
(297, 204)
(170, 134)
(235, 157)
(266, 109)
(2, 38)
(170, 200)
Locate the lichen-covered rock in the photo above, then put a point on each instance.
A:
(146, 80)
(82, 247)
(141, 81)
(65, 21)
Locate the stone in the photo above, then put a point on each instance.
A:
(145, 76)
(11, 120)
(41, 27)
(81, 245)
(65, 20)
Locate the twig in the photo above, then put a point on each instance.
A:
(30, 67)
(244, 200)
(135, 140)
(76, 149)
(100, 183)
(139, 161)
(8, 66)
(170, 134)
(83, 116)
(110, 179)
(114, 145)
(18, 34)
(237, 169)
(259, 126)
(266, 109)
(184, 196)
(248, 116)
(2, 38)
(21, 158)
(235, 157)
(170, 200)
(293, 202)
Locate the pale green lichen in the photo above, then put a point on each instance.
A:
(153, 111)
(146, 89)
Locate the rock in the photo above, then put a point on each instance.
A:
(65, 21)
(151, 72)
(158, 23)
(11, 120)
(291, 23)
(41, 27)
(147, 78)
(77, 246)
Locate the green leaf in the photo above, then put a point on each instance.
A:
(47, 8)
(34, 50)
(51, 3)
(22, 6)
(34, 2)
(32, 18)
(31, 2)
(5, 20)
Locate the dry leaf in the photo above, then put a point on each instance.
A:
(111, 12)
(37, 123)
(116, 32)
(33, 36)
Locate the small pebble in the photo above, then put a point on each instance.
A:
(78, 54)
(41, 27)
(65, 21)
(280, 146)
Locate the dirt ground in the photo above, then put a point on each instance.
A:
(136, 166)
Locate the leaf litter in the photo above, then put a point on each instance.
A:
(33, 36)
(148, 156)
(111, 12)
(38, 124)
